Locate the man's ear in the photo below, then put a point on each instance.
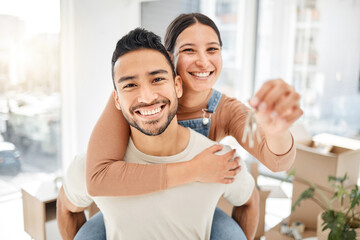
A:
(178, 86)
(116, 98)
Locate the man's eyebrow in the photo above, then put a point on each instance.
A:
(125, 78)
(159, 71)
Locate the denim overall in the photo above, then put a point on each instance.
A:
(202, 125)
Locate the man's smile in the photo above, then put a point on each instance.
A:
(151, 111)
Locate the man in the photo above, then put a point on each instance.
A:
(147, 95)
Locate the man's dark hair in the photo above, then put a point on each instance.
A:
(139, 38)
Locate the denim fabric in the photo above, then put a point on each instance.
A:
(223, 228)
(94, 229)
(197, 123)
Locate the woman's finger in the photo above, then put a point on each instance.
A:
(286, 103)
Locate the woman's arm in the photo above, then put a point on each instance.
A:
(231, 117)
(107, 173)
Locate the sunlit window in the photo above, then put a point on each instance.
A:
(29, 87)
(303, 42)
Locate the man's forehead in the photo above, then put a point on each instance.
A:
(141, 60)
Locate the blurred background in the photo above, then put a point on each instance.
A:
(55, 73)
(55, 58)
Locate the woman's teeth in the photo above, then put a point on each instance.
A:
(150, 112)
(201, 74)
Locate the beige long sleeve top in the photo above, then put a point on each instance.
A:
(108, 175)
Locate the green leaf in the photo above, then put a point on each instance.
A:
(350, 234)
(308, 193)
(337, 179)
(354, 197)
(337, 223)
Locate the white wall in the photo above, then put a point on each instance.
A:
(89, 32)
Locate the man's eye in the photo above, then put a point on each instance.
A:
(158, 79)
(130, 85)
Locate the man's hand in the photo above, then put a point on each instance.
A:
(277, 105)
(69, 217)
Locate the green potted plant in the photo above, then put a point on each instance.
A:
(341, 221)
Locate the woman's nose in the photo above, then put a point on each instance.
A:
(202, 60)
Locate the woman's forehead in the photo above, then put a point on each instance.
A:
(197, 33)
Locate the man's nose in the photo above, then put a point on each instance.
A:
(202, 60)
(147, 95)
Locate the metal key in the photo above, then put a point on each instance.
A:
(251, 129)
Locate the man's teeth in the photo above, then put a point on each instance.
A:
(201, 74)
(150, 112)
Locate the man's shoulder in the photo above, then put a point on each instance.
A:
(204, 142)
(75, 183)
(78, 161)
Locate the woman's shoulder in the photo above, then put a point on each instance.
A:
(227, 103)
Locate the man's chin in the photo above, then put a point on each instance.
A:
(152, 132)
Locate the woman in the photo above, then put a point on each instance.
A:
(194, 42)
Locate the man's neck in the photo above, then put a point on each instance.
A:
(172, 141)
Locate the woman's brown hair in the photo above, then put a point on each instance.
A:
(182, 22)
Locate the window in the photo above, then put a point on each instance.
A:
(29, 87)
(309, 44)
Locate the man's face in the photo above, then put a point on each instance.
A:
(146, 94)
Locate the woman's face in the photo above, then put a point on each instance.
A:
(197, 57)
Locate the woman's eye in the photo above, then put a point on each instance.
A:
(213, 49)
(188, 50)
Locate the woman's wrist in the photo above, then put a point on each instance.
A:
(279, 143)
(181, 173)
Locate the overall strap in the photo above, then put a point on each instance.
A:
(214, 101)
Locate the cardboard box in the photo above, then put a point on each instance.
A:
(328, 155)
(274, 233)
(316, 159)
(308, 210)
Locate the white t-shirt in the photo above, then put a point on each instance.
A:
(183, 212)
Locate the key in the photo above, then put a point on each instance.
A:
(251, 129)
